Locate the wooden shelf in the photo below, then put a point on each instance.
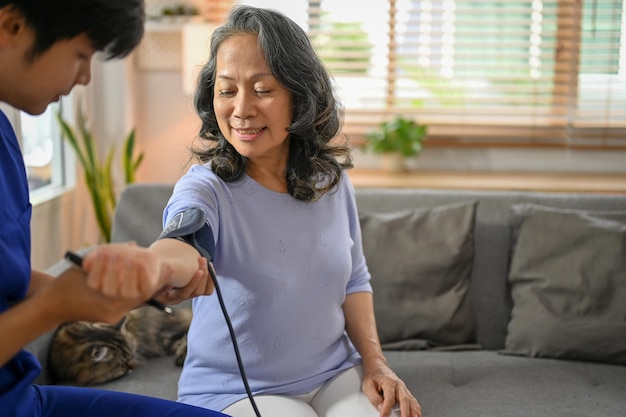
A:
(614, 183)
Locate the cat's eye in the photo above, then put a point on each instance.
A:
(99, 353)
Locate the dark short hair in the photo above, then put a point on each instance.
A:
(115, 27)
(316, 160)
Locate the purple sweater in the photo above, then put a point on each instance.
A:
(284, 268)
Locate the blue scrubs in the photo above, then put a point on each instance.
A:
(18, 396)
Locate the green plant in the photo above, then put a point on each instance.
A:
(401, 135)
(98, 174)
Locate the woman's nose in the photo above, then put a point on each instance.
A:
(244, 107)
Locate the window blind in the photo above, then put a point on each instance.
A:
(480, 73)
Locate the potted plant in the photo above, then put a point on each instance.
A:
(98, 174)
(396, 140)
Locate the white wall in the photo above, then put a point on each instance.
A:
(166, 126)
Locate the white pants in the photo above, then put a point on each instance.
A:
(339, 397)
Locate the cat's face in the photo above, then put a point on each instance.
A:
(85, 353)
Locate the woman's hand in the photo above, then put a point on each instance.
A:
(385, 389)
(381, 385)
(200, 284)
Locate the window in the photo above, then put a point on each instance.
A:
(480, 73)
(37, 137)
(43, 150)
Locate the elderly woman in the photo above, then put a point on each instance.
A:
(284, 238)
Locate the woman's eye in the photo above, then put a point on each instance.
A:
(263, 92)
(225, 93)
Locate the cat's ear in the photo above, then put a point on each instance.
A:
(120, 325)
(99, 353)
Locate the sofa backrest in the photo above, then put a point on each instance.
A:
(489, 289)
(138, 217)
(139, 213)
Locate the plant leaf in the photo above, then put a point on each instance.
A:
(99, 176)
(70, 136)
(107, 177)
(127, 157)
(88, 141)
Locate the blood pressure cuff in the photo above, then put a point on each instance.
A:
(190, 226)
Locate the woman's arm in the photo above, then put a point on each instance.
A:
(182, 259)
(380, 383)
(200, 284)
(358, 309)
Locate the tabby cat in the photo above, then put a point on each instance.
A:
(84, 353)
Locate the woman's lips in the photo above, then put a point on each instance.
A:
(249, 134)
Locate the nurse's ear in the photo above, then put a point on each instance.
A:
(12, 25)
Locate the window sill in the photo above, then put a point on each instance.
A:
(48, 193)
(601, 183)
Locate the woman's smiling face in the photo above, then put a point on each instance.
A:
(253, 109)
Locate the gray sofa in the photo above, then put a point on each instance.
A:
(453, 343)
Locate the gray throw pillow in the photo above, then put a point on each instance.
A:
(568, 284)
(421, 261)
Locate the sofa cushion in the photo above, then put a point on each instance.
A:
(485, 384)
(421, 261)
(568, 283)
